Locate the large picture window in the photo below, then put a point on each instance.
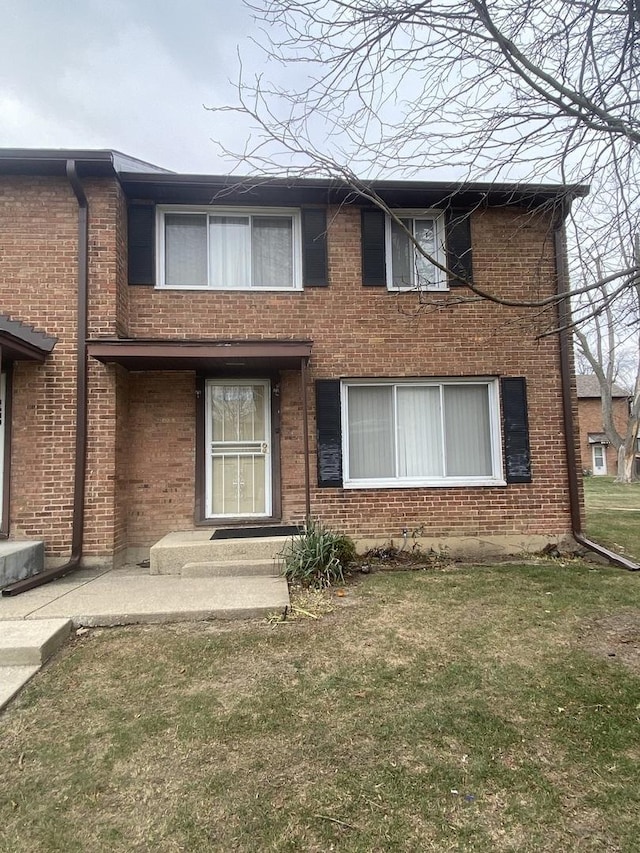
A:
(407, 267)
(230, 249)
(420, 433)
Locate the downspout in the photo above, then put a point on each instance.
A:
(564, 319)
(80, 465)
(305, 440)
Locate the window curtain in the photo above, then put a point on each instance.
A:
(186, 249)
(371, 432)
(426, 273)
(401, 254)
(272, 251)
(467, 430)
(229, 252)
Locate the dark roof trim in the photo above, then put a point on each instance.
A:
(20, 342)
(198, 355)
(229, 181)
(145, 181)
(90, 163)
(142, 180)
(230, 189)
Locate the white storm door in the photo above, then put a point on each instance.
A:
(238, 448)
(599, 460)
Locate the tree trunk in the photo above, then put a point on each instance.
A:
(626, 464)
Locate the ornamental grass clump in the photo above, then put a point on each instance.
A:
(318, 556)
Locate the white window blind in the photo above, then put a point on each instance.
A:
(420, 431)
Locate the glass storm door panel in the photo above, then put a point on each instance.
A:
(599, 460)
(238, 436)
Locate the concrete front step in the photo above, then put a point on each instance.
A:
(175, 550)
(233, 569)
(20, 559)
(13, 679)
(122, 598)
(24, 647)
(25, 643)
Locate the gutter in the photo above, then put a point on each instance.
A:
(80, 464)
(564, 318)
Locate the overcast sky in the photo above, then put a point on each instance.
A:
(131, 75)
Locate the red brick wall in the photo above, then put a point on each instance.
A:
(159, 478)
(38, 285)
(141, 454)
(360, 331)
(590, 419)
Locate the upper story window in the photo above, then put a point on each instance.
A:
(229, 248)
(407, 267)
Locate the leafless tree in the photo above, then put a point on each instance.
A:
(542, 90)
(609, 344)
(466, 90)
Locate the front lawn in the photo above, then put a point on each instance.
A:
(613, 514)
(459, 708)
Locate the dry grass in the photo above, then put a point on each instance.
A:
(466, 708)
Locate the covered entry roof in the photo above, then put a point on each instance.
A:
(198, 355)
(21, 342)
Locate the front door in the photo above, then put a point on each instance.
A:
(238, 443)
(599, 460)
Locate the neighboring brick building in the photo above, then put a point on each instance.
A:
(255, 351)
(598, 456)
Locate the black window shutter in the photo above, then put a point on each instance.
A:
(373, 249)
(329, 433)
(142, 243)
(314, 247)
(459, 254)
(516, 430)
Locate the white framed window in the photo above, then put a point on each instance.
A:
(207, 248)
(400, 433)
(407, 268)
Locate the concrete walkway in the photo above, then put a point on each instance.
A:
(93, 597)
(34, 624)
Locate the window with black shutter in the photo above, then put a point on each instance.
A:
(329, 432)
(517, 453)
(314, 247)
(141, 243)
(390, 257)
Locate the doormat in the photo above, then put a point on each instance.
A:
(257, 532)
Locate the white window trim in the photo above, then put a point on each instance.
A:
(214, 210)
(497, 477)
(440, 255)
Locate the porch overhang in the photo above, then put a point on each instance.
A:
(597, 438)
(199, 355)
(21, 342)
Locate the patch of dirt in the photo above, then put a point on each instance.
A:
(616, 637)
(389, 558)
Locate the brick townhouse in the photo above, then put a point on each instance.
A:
(598, 456)
(182, 351)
